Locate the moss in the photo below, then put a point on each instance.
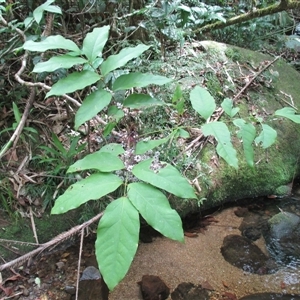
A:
(233, 53)
(47, 227)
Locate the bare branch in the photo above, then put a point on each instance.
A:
(272, 9)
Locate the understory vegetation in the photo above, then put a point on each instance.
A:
(86, 111)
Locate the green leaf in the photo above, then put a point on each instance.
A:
(119, 60)
(102, 161)
(156, 210)
(182, 133)
(52, 42)
(58, 145)
(167, 178)
(91, 188)
(115, 113)
(91, 106)
(202, 102)
(220, 132)
(227, 105)
(73, 82)
(113, 148)
(56, 62)
(177, 94)
(108, 128)
(17, 113)
(38, 12)
(137, 101)
(144, 146)
(54, 9)
(267, 137)
(94, 42)
(289, 113)
(247, 133)
(117, 240)
(180, 107)
(131, 80)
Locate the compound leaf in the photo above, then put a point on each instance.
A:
(288, 112)
(247, 133)
(91, 188)
(114, 62)
(156, 210)
(113, 148)
(267, 136)
(52, 42)
(144, 146)
(117, 240)
(101, 161)
(56, 62)
(202, 102)
(91, 106)
(128, 81)
(73, 82)
(167, 178)
(227, 105)
(137, 101)
(220, 132)
(94, 42)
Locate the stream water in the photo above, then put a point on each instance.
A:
(200, 261)
(208, 258)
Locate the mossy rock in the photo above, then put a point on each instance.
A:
(272, 90)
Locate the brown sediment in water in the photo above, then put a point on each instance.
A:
(199, 260)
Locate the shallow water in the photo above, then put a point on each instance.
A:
(199, 260)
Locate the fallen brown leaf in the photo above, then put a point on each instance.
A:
(190, 234)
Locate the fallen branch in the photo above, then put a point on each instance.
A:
(272, 9)
(57, 240)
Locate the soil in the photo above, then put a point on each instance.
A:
(198, 261)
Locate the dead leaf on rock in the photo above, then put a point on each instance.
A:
(190, 234)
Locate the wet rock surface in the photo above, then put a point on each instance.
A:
(189, 291)
(242, 253)
(92, 286)
(283, 237)
(153, 288)
(253, 225)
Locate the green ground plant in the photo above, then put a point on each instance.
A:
(121, 217)
(131, 173)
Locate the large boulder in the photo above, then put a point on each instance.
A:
(224, 70)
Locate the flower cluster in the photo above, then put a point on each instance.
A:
(130, 159)
(156, 165)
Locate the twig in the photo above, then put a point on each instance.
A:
(254, 77)
(16, 135)
(18, 242)
(33, 225)
(79, 263)
(58, 239)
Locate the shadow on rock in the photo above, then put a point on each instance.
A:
(242, 253)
